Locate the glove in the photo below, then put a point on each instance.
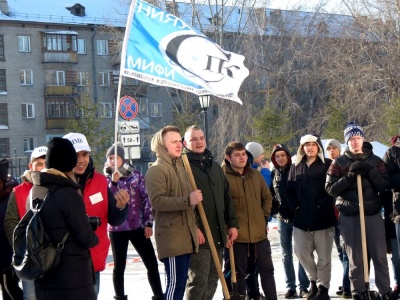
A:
(360, 168)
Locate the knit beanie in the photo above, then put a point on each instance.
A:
(334, 143)
(351, 130)
(255, 149)
(4, 170)
(61, 155)
(120, 151)
(395, 140)
(308, 138)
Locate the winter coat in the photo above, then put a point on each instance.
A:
(139, 208)
(392, 160)
(217, 201)
(169, 189)
(312, 206)
(100, 202)
(345, 191)
(65, 210)
(6, 251)
(252, 201)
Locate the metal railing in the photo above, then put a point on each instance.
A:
(17, 166)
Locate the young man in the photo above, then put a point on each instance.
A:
(252, 201)
(332, 150)
(341, 183)
(282, 161)
(259, 162)
(173, 202)
(17, 207)
(314, 218)
(99, 201)
(218, 206)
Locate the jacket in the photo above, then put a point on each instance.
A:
(312, 205)
(392, 160)
(64, 211)
(169, 189)
(100, 202)
(345, 190)
(252, 201)
(217, 201)
(139, 207)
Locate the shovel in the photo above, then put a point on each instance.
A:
(367, 293)
(235, 291)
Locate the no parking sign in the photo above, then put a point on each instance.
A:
(128, 108)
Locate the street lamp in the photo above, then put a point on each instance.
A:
(205, 104)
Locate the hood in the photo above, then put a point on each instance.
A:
(52, 177)
(309, 138)
(158, 148)
(280, 147)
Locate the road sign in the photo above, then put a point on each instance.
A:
(128, 127)
(128, 108)
(130, 139)
(134, 152)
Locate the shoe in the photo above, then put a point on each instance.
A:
(313, 290)
(339, 292)
(290, 294)
(389, 296)
(159, 297)
(303, 293)
(396, 290)
(121, 297)
(346, 294)
(322, 294)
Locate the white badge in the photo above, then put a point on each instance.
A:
(96, 198)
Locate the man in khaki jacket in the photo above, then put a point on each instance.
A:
(173, 208)
(252, 201)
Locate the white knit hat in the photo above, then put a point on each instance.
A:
(78, 140)
(308, 139)
(255, 149)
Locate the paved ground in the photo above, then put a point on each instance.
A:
(137, 287)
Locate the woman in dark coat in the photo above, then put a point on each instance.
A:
(64, 210)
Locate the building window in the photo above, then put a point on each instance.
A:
(60, 42)
(28, 110)
(143, 107)
(155, 109)
(130, 81)
(3, 81)
(106, 109)
(4, 148)
(102, 47)
(3, 115)
(60, 108)
(24, 44)
(81, 46)
(2, 56)
(83, 78)
(104, 78)
(29, 144)
(26, 77)
(54, 77)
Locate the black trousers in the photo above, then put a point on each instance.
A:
(144, 247)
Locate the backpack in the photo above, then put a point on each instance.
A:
(34, 255)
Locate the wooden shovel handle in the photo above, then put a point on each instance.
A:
(362, 226)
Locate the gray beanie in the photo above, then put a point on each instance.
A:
(120, 151)
(333, 142)
(255, 149)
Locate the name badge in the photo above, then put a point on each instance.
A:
(96, 198)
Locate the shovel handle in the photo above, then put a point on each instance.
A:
(232, 260)
(362, 226)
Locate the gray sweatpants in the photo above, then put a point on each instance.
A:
(320, 241)
(376, 245)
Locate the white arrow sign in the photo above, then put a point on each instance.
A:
(130, 139)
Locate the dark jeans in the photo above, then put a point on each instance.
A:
(343, 259)
(144, 247)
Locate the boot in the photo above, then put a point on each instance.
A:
(159, 297)
(121, 297)
(322, 293)
(313, 290)
(388, 296)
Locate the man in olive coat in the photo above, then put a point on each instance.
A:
(217, 203)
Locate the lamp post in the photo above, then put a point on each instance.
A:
(205, 104)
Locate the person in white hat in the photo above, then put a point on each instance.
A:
(17, 206)
(99, 201)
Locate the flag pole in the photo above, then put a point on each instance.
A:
(122, 67)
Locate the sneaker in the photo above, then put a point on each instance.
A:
(303, 293)
(290, 294)
(339, 292)
(313, 290)
(322, 294)
(346, 294)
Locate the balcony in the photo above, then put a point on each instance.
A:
(56, 90)
(60, 57)
(56, 123)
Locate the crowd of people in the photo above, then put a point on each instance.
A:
(208, 216)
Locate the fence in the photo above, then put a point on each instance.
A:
(17, 166)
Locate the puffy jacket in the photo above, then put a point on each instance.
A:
(169, 189)
(338, 185)
(392, 160)
(252, 201)
(312, 206)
